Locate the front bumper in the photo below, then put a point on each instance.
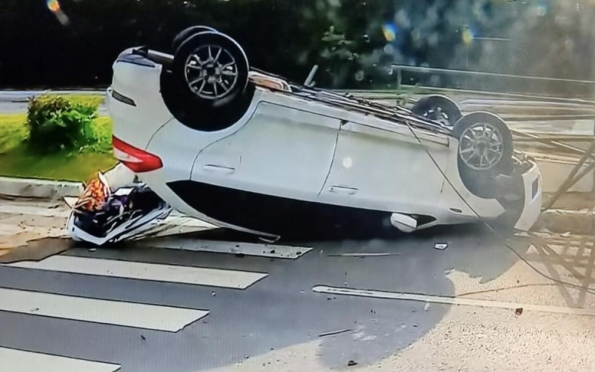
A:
(533, 183)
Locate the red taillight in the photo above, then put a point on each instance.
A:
(137, 160)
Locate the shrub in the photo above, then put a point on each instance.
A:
(57, 124)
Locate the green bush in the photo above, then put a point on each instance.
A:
(57, 124)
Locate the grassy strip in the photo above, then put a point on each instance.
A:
(16, 160)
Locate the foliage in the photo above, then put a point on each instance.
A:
(57, 124)
(338, 54)
(541, 38)
(17, 159)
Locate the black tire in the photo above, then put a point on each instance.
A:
(477, 177)
(427, 107)
(186, 33)
(201, 111)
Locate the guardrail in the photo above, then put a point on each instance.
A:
(576, 86)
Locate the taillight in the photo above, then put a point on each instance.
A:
(137, 160)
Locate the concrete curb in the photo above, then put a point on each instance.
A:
(34, 188)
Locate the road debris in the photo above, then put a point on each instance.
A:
(143, 337)
(351, 363)
(213, 294)
(519, 311)
(332, 333)
(269, 241)
(92, 249)
(440, 246)
(363, 254)
(426, 306)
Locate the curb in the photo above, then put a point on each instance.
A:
(34, 188)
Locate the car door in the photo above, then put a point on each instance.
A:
(381, 165)
(281, 151)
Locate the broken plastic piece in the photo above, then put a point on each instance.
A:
(441, 246)
(100, 216)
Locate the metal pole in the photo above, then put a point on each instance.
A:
(493, 74)
(571, 180)
(573, 149)
(310, 77)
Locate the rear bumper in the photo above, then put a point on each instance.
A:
(533, 199)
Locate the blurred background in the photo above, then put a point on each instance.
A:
(72, 43)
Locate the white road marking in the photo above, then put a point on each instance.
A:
(127, 314)
(450, 300)
(249, 249)
(25, 361)
(145, 271)
(174, 219)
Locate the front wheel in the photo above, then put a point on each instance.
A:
(485, 151)
(187, 33)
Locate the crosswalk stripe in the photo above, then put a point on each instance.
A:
(25, 361)
(249, 249)
(174, 219)
(146, 271)
(127, 314)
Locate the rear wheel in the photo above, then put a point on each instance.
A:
(438, 108)
(207, 87)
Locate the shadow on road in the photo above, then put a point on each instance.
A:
(282, 310)
(277, 312)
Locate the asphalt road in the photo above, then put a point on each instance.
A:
(275, 322)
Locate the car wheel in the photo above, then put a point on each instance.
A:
(185, 34)
(439, 108)
(207, 86)
(212, 67)
(485, 151)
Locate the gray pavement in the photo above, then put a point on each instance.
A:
(15, 102)
(275, 323)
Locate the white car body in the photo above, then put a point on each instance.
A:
(290, 149)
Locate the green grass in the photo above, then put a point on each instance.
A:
(16, 160)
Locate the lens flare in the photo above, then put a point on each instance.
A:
(390, 31)
(468, 36)
(53, 5)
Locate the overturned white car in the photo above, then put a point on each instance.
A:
(247, 150)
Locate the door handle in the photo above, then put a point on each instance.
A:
(343, 190)
(218, 169)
